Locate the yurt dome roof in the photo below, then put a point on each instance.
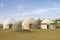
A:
(10, 21)
(29, 21)
(47, 21)
(58, 19)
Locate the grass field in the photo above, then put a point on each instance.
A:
(39, 34)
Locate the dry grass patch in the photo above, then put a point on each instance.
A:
(30, 34)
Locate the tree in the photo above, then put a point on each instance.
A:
(38, 23)
(1, 25)
(20, 24)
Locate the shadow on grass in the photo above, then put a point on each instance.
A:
(25, 31)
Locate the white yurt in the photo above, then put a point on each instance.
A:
(48, 24)
(29, 23)
(9, 24)
(58, 20)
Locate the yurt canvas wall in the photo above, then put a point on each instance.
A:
(9, 24)
(47, 24)
(57, 20)
(29, 23)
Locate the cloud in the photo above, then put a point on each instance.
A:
(2, 5)
(37, 11)
(41, 11)
(19, 6)
(52, 3)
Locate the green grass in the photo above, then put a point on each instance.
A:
(38, 34)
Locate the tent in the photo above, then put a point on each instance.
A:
(9, 24)
(58, 20)
(48, 24)
(29, 23)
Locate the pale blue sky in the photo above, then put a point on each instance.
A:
(21, 9)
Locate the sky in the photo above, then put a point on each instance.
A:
(21, 9)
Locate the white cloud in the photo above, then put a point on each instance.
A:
(41, 11)
(52, 3)
(2, 5)
(19, 6)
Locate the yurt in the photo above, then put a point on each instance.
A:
(29, 23)
(9, 24)
(58, 20)
(48, 24)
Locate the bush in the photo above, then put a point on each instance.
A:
(1, 26)
(57, 25)
(24, 31)
(38, 27)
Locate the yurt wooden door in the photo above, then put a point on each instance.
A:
(10, 26)
(47, 26)
(30, 26)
